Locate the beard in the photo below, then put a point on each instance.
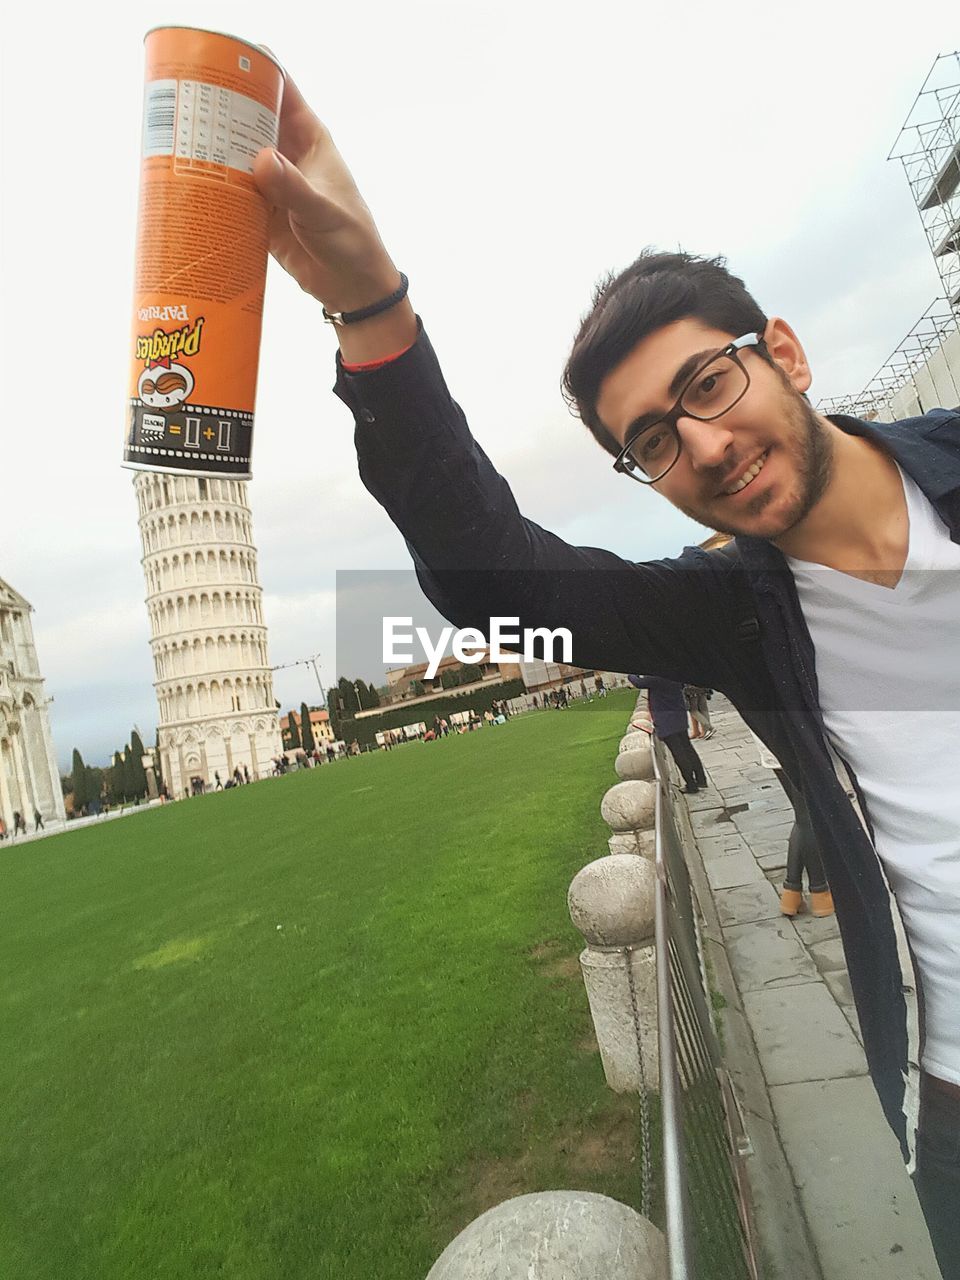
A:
(809, 445)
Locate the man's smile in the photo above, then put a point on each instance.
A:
(743, 477)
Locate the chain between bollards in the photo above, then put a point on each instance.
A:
(646, 1162)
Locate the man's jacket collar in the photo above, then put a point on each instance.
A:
(928, 450)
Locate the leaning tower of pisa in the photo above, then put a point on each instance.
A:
(209, 642)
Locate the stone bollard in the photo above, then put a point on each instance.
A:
(555, 1235)
(630, 806)
(636, 740)
(611, 902)
(635, 764)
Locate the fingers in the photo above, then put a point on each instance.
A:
(268, 174)
(283, 185)
(321, 232)
(300, 129)
(297, 121)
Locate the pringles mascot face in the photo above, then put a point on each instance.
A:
(165, 385)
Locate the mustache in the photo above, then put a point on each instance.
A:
(166, 384)
(718, 477)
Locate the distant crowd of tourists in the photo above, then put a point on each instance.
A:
(20, 826)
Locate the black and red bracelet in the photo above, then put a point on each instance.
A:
(374, 309)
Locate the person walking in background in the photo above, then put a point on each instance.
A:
(18, 822)
(37, 820)
(668, 711)
(802, 855)
(802, 852)
(699, 711)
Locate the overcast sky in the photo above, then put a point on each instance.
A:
(512, 153)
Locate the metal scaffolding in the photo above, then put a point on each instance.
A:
(928, 147)
(925, 338)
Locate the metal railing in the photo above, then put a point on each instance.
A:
(708, 1222)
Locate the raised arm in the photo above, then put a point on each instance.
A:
(477, 557)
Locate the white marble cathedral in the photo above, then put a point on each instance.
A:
(29, 778)
(209, 641)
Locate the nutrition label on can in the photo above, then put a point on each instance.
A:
(205, 127)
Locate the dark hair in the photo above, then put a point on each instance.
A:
(654, 291)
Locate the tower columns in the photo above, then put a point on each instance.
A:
(208, 639)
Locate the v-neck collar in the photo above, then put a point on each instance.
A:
(849, 584)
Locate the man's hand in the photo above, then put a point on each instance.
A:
(323, 234)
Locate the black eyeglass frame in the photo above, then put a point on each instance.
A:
(669, 419)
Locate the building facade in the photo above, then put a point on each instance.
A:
(319, 725)
(207, 634)
(29, 778)
(400, 680)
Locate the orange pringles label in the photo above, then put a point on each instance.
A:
(211, 102)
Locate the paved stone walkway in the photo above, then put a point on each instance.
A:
(52, 827)
(859, 1204)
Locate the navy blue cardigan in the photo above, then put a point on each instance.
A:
(668, 706)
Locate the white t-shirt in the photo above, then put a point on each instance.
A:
(888, 667)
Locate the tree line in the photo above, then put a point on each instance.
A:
(123, 781)
(348, 697)
(344, 700)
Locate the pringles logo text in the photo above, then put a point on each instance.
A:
(169, 346)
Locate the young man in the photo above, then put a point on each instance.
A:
(818, 625)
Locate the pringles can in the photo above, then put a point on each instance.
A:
(211, 103)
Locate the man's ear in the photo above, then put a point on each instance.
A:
(787, 353)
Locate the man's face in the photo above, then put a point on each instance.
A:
(772, 424)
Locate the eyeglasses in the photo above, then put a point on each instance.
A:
(711, 391)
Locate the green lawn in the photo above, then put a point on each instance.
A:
(189, 1090)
